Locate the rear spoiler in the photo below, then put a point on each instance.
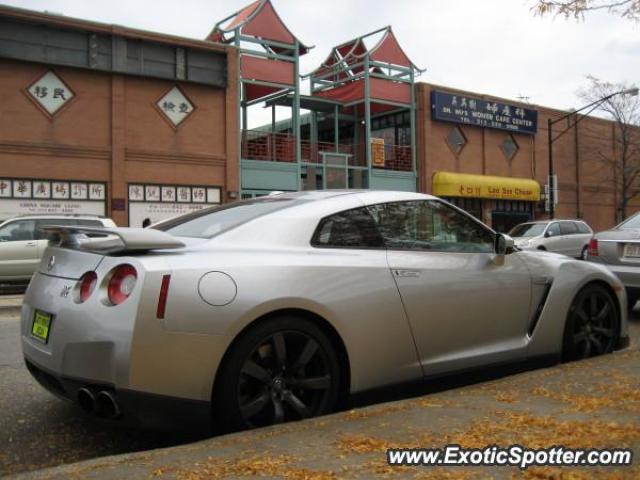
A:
(112, 240)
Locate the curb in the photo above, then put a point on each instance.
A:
(10, 309)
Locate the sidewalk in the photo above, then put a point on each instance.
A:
(589, 404)
(10, 304)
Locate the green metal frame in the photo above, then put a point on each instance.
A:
(290, 53)
(342, 72)
(260, 173)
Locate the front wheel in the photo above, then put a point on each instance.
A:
(592, 324)
(281, 370)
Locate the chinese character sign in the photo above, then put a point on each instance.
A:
(483, 113)
(175, 106)
(50, 92)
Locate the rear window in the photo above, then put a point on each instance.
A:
(527, 230)
(209, 222)
(633, 222)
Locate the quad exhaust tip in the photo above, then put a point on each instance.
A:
(103, 403)
(86, 400)
(106, 405)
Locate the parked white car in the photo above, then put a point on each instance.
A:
(22, 243)
(569, 237)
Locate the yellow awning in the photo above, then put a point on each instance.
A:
(449, 184)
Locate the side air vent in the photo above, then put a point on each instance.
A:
(538, 312)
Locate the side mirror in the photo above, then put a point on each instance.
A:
(504, 244)
(547, 234)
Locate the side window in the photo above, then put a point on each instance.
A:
(568, 228)
(20, 230)
(349, 229)
(582, 227)
(553, 230)
(430, 225)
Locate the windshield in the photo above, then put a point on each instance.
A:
(527, 230)
(209, 222)
(633, 222)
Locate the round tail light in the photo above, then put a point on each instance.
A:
(87, 284)
(122, 282)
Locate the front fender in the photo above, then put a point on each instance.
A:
(567, 277)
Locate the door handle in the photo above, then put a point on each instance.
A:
(406, 273)
(31, 244)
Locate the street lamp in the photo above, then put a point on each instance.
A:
(633, 92)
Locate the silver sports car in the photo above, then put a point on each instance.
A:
(276, 309)
(619, 249)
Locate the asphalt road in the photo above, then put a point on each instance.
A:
(38, 430)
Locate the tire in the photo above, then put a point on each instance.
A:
(632, 299)
(583, 254)
(592, 327)
(282, 369)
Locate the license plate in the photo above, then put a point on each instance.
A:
(41, 326)
(631, 250)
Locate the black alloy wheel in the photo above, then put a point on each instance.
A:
(282, 370)
(592, 326)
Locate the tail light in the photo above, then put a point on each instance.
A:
(122, 282)
(86, 285)
(593, 247)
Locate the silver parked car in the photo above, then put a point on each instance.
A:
(619, 249)
(22, 243)
(568, 237)
(276, 309)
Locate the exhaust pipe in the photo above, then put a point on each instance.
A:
(86, 400)
(106, 405)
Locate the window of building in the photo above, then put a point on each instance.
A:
(430, 225)
(456, 140)
(349, 229)
(473, 206)
(510, 147)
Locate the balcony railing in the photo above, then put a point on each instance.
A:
(281, 147)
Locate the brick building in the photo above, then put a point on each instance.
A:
(103, 119)
(86, 120)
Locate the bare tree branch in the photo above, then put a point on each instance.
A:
(629, 9)
(624, 110)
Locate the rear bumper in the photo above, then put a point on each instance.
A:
(137, 408)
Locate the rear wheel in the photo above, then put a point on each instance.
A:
(592, 324)
(281, 370)
(583, 254)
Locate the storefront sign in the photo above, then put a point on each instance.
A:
(449, 184)
(22, 196)
(50, 92)
(159, 202)
(377, 152)
(463, 109)
(175, 106)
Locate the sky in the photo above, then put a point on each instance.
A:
(495, 47)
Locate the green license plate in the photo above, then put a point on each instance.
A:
(41, 326)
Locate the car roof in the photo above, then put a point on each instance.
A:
(368, 196)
